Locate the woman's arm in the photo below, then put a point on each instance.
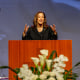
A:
(52, 34)
(26, 36)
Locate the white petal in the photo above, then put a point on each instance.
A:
(63, 58)
(34, 77)
(25, 66)
(48, 62)
(35, 60)
(56, 65)
(60, 78)
(62, 64)
(44, 52)
(46, 73)
(41, 60)
(57, 59)
(52, 74)
(51, 78)
(43, 77)
(59, 69)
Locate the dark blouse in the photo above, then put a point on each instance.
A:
(46, 34)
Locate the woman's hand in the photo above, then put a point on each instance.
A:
(53, 28)
(25, 30)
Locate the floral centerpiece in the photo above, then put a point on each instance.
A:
(45, 69)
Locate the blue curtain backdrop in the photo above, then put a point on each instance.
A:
(14, 14)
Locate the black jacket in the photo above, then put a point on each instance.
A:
(46, 34)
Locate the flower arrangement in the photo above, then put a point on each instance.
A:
(45, 69)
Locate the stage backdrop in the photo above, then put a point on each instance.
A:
(21, 51)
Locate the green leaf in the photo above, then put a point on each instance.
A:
(45, 67)
(78, 63)
(51, 57)
(66, 70)
(38, 79)
(74, 75)
(32, 69)
(4, 67)
(70, 71)
(66, 75)
(36, 71)
(53, 52)
(70, 75)
(51, 67)
(48, 77)
(17, 70)
(16, 77)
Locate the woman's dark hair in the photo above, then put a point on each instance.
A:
(35, 20)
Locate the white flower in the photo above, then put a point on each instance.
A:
(54, 70)
(35, 60)
(62, 64)
(52, 73)
(59, 74)
(20, 75)
(24, 72)
(63, 58)
(56, 73)
(34, 77)
(29, 73)
(44, 52)
(41, 60)
(59, 69)
(51, 78)
(57, 59)
(39, 68)
(25, 66)
(27, 78)
(42, 77)
(48, 62)
(56, 65)
(60, 78)
(46, 73)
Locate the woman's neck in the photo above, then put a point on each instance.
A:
(39, 25)
(40, 28)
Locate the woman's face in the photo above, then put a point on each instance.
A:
(40, 18)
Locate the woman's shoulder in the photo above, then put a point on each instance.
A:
(31, 28)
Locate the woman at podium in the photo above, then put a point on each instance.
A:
(40, 30)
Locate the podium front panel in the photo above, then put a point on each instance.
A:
(21, 51)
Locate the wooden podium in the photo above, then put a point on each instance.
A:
(21, 51)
